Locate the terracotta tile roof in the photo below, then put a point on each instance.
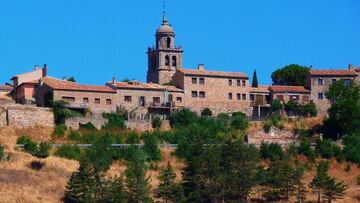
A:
(58, 84)
(298, 89)
(147, 86)
(213, 73)
(332, 72)
(260, 88)
(6, 87)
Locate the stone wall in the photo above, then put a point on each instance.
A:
(20, 116)
(282, 137)
(97, 120)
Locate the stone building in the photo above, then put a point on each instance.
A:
(25, 93)
(260, 101)
(217, 90)
(319, 81)
(287, 93)
(5, 90)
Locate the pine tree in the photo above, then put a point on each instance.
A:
(318, 183)
(254, 80)
(116, 191)
(136, 182)
(169, 190)
(83, 184)
(333, 190)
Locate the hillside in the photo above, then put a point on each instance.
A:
(19, 183)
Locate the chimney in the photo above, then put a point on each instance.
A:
(113, 80)
(201, 67)
(36, 67)
(350, 66)
(44, 71)
(310, 67)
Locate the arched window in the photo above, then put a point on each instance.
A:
(168, 42)
(174, 62)
(167, 60)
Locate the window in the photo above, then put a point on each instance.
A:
(108, 101)
(142, 101)
(238, 96)
(243, 96)
(167, 60)
(294, 97)
(267, 98)
(97, 100)
(320, 96)
(179, 99)
(230, 82)
(333, 81)
(238, 82)
(86, 100)
(194, 94)
(68, 99)
(201, 81)
(193, 80)
(320, 82)
(156, 100)
(252, 97)
(230, 96)
(280, 97)
(347, 82)
(127, 98)
(202, 94)
(244, 83)
(168, 42)
(306, 98)
(174, 62)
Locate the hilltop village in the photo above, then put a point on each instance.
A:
(170, 86)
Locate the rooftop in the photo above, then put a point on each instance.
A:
(58, 84)
(330, 72)
(6, 87)
(260, 89)
(214, 73)
(147, 86)
(297, 89)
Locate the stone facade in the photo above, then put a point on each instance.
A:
(96, 119)
(287, 93)
(282, 137)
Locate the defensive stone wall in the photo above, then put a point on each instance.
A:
(20, 116)
(282, 137)
(96, 119)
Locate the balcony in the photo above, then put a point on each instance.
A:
(75, 105)
(167, 105)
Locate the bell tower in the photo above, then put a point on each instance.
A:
(165, 58)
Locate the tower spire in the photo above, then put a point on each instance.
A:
(164, 20)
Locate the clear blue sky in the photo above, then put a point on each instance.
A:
(95, 40)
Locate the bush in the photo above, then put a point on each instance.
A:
(87, 126)
(115, 120)
(352, 148)
(74, 135)
(61, 112)
(206, 112)
(151, 147)
(223, 118)
(29, 145)
(69, 152)
(239, 121)
(276, 105)
(272, 151)
(59, 131)
(305, 149)
(183, 118)
(156, 122)
(326, 149)
(267, 127)
(2, 153)
(89, 137)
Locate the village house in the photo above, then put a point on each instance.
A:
(5, 90)
(260, 101)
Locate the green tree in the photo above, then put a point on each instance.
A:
(345, 107)
(61, 112)
(42, 151)
(239, 121)
(272, 151)
(100, 154)
(71, 79)
(169, 190)
(116, 190)
(276, 105)
(183, 118)
(206, 112)
(254, 80)
(156, 122)
(2, 153)
(333, 190)
(292, 74)
(352, 148)
(320, 179)
(151, 147)
(136, 182)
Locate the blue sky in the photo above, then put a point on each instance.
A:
(96, 40)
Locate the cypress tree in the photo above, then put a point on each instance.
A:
(254, 80)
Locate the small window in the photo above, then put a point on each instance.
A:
(174, 61)
(167, 60)
(267, 98)
(68, 99)
(127, 98)
(201, 81)
(168, 42)
(108, 101)
(86, 100)
(97, 100)
(320, 96)
(306, 98)
(194, 94)
(230, 82)
(230, 96)
(238, 82)
(347, 82)
(238, 96)
(179, 99)
(333, 81)
(202, 94)
(252, 97)
(156, 100)
(244, 83)
(243, 96)
(193, 80)
(320, 82)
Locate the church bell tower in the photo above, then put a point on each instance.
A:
(163, 59)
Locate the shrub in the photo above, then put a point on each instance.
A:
(100, 153)
(276, 105)
(87, 126)
(89, 137)
(291, 107)
(272, 151)
(29, 145)
(267, 127)
(327, 149)
(61, 112)
(239, 121)
(352, 148)
(358, 180)
(206, 112)
(59, 131)
(133, 138)
(115, 120)
(69, 152)
(223, 118)
(156, 122)
(2, 153)
(151, 147)
(74, 135)
(183, 118)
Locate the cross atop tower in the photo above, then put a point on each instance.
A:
(164, 20)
